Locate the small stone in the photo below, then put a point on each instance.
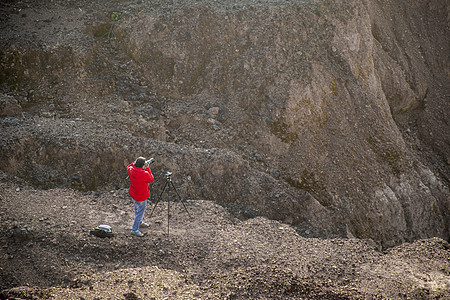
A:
(214, 110)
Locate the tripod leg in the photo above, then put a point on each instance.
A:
(160, 198)
(168, 214)
(182, 202)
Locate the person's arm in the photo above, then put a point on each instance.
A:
(150, 177)
(129, 168)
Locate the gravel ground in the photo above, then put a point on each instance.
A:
(48, 252)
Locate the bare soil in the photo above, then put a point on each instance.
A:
(309, 145)
(205, 253)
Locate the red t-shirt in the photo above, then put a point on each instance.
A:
(140, 178)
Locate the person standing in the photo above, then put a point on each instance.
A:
(140, 176)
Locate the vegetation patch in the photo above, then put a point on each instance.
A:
(281, 130)
(333, 88)
(309, 182)
(389, 154)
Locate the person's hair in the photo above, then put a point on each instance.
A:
(140, 161)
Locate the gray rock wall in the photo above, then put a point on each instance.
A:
(330, 116)
(318, 86)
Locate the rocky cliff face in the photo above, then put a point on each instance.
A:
(330, 116)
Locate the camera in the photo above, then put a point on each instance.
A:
(168, 174)
(147, 162)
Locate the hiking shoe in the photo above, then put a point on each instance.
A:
(137, 233)
(144, 225)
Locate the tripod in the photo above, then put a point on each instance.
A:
(167, 185)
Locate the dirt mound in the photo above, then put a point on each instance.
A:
(208, 254)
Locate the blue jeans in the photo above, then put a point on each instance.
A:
(139, 209)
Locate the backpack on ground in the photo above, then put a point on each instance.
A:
(102, 231)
